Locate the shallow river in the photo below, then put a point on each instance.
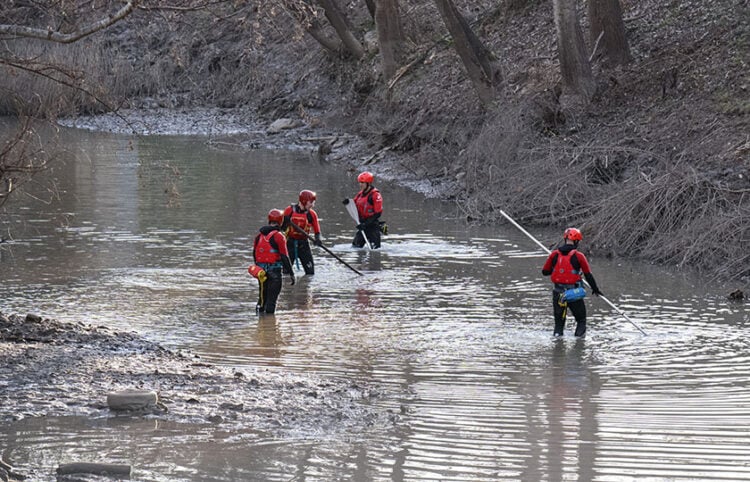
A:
(454, 322)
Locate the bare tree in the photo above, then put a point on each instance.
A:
(331, 44)
(307, 16)
(477, 59)
(607, 30)
(340, 24)
(574, 62)
(371, 7)
(390, 35)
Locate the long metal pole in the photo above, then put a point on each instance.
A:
(302, 231)
(546, 250)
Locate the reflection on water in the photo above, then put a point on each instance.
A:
(154, 234)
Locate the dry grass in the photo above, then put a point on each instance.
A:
(678, 216)
(631, 202)
(53, 79)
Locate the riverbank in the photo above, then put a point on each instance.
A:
(56, 369)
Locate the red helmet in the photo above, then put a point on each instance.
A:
(275, 216)
(307, 196)
(572, 234)
(365, 177)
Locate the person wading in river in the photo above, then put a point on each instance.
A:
(303, 216)
(369, 204)
(566, 266)
(270, 253)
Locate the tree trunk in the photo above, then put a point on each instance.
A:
(390, 36)
(305, 16)
(330, 44)
(605, 17)
(574, 62)
(484, 74)
(371, 7)
(337, 19)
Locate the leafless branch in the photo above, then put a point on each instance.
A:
(66, 38)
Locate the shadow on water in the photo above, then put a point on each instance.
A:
(453, 321)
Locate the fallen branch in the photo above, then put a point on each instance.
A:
(377, 154)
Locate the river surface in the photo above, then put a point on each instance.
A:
(454, 321)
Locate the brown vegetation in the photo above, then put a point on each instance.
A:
(656, 166)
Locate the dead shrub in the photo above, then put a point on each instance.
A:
(55, 78)
(520, 170)
(678, 216)
(493, 152)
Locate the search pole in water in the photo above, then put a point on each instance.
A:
(302, 231)
(546, 250)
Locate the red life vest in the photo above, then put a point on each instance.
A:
(563, 271)
(366, 204)
(266, 249)
(303, 220)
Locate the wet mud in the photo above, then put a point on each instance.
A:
(53, 369)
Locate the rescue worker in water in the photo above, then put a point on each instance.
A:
(566, 267)
(369, 204)
(270, 253)
(305, 218)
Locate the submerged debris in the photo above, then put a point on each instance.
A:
(115, 470)
(736, 295)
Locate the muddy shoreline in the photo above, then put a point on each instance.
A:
(55, 369)
(51, 368)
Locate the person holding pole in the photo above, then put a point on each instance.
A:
(566, 267)
(369, 205)
(270, 255)
(304, 217)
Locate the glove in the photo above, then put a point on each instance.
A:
(597, 292)
(317, 241)
(361, 226)
(292, 279)
(345, 201)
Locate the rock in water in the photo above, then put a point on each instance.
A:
(132, 400)
(94, 468)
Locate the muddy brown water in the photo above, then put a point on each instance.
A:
(454, 322)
